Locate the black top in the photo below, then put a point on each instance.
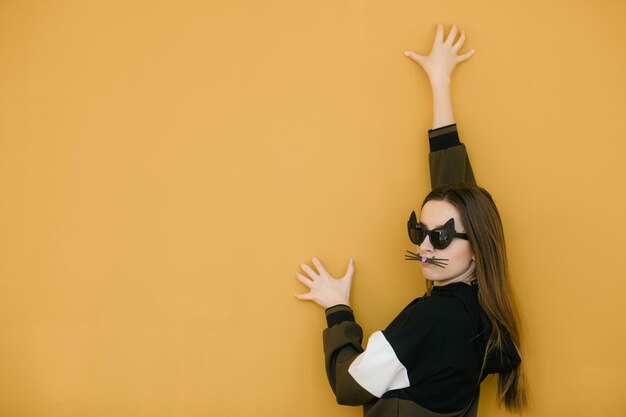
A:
(437, 339)
(428, 360)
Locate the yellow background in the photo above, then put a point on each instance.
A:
(166, 166)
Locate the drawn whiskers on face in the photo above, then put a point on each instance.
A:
(440, 262)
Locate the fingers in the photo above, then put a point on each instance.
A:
(308, 270)
(466, 56)
(451, 35)
(459, 43)
(319, 266)
(304, 280)
(439, 34)
(449, 44)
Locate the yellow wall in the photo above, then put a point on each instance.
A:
(166, 166)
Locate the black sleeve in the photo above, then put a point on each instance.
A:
(342, 344)
(449, 163)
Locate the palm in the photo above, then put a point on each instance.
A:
(443, 56)
(325, 289)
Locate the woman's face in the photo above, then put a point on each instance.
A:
(460, 259)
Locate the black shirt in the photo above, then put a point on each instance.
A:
(436, 339)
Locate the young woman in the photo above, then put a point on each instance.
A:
(431, 359)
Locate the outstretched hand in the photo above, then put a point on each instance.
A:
(325, 289)
(443, 58)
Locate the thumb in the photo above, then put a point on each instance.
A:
(466, 56)
(415, 57)
(350, 269)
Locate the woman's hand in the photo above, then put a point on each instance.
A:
(325, 289)
(443, 57)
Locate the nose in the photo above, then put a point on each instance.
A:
(425, 246)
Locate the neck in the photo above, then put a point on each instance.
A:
(466, 277)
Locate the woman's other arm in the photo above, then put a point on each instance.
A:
(448, 159)
(343, 337)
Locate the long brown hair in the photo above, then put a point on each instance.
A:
(486, 236)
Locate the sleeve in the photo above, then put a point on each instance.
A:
(358, 376)
(449, 163)
(342, 345)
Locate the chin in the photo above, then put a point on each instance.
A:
(435, 280)
(433, 277)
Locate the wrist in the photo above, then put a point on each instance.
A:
(441, 89)
(336, 302)
(440, 82)
(337, 314)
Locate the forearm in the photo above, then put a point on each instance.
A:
(439, 66)
(449, 163)
(448, 160)
(342, 345)
(442, 103)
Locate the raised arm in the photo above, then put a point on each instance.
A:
(449, 163)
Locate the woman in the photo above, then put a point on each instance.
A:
(432, 357)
